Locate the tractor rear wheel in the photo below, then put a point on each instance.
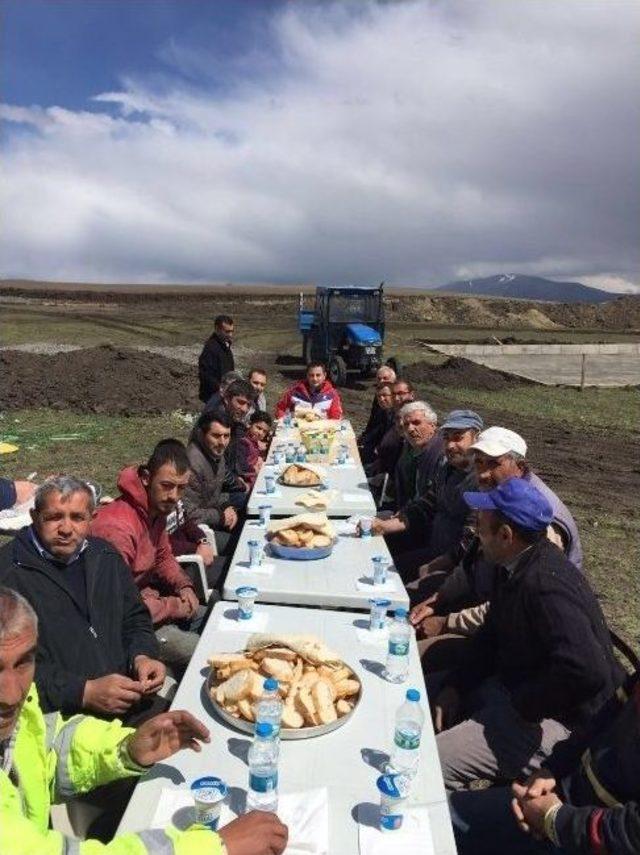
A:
(337, 371)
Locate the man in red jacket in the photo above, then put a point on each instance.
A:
(315, 392)
(135, 523)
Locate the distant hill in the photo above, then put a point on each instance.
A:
(519, 287)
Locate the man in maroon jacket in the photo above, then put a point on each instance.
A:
(135, 523)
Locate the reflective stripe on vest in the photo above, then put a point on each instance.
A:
(71, 846)
(50, 722)
(601, 792)
(62, 747)
(157, 842)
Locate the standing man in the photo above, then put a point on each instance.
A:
(135, 523)
(216, 358)
(96, 648)
(315, 393)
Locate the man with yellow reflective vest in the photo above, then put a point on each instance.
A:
(45, 757)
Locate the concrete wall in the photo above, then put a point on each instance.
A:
(546, 349)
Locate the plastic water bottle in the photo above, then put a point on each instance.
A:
(398, 655)
(269, 708)
(406, 741)
(263, 770)
(301, 454)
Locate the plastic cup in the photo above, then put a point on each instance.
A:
(278, 457)
(365, 526)
(378, 614)
(208, 796)
(379, 564)
(290, 454)
(342, 454)
(394, 792)
(301, 454)
(246, 601)
(269, 483)
(265, 514)
(255, 553)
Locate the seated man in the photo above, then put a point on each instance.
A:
(203, 495)
(45, 759)
(253, 446)
(498, 454)
(15, 493)
(587, 799)
(135, 523)
(543, 662)
(422, 451)
(391, 443)
(258, 379)
(378, 427)
(215, 400)
(237, 400)
(315, 392)
(438, 520)
(384, 374)
(96, 650)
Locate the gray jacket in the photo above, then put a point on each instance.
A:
(203, 496)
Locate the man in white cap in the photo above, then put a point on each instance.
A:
(459, 606)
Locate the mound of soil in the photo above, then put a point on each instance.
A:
(460, 373)
(110, 380)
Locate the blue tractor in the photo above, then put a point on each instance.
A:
(345, 330)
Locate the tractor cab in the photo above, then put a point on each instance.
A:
(345, 330)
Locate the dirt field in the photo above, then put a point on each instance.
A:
(587, 446)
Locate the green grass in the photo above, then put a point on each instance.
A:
(604, 408)
(93, 447)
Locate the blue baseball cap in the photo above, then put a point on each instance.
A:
(518, 501)
(462, 420)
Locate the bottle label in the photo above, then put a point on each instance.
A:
(408, 741)
(399, 648)
(263, 783)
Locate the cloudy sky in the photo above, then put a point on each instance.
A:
(416, 142)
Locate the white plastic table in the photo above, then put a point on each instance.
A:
(345, 761)
(329, 582)
(354, 495)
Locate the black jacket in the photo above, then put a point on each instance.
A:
(71, 647)
(215, 361)
(547, 640)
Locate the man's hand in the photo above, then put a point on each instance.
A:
(446, 709)
(164, 734)
(255, 833)
(188, 597)
(229, 518)
(378, 526)
(150, 672)
(530, 813)
(540, 783)
(430, 627)
(113, 694)
(423, 610)
(205, 552)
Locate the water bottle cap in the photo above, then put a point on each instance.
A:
(270, 685)
(413, 695)
(263, 728)
(400, 613)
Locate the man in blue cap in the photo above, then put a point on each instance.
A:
(543, 662)
(434, 523)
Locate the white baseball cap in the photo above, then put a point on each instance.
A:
(496, 441)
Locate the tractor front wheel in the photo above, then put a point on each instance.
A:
(337, 371)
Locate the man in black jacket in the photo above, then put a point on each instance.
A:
(543, 661)
(216, 358)
(96, 647)
(586, 799)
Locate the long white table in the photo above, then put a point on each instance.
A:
(329, 582)
(343, 761)
(354, 495)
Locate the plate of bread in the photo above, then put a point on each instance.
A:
(302, 475)
(304, 537)
(319, 691)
